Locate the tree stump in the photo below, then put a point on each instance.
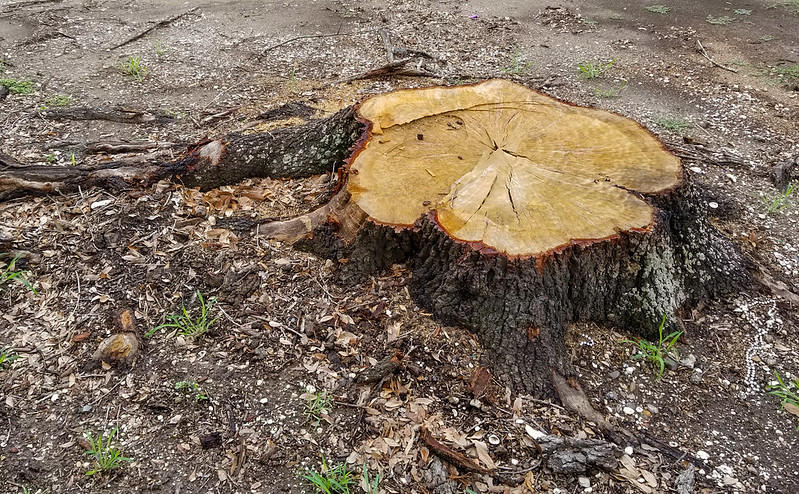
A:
(519, 214)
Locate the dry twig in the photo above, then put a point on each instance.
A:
(703, 52)
(161, 23)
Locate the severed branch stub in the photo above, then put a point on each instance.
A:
(519, 214)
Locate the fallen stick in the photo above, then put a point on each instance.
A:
(153, 27)
(703, 52)
(120, 115)
(310, 36)
(450, 455)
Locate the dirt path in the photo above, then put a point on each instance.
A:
(288, 333)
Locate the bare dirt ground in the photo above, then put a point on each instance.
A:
(288, 331)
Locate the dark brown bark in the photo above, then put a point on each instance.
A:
(314, 148)
(520, 307)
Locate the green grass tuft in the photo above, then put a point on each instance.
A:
(10, 272)
(318, 406)
(106, 457)
(16, 86)
(331, 480)
(135, 68)
(719, 21)
(780, 201)
(188, 325)
(659, 9)
(593, 70)
(7, 356)
(518, 65)
(672, 124)
(784, 392)
(656, 353)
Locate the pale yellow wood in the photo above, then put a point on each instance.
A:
(503, 165)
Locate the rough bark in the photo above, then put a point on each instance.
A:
(317, 147)
(520, 307)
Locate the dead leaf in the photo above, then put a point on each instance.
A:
(81, 336)
(480, 379)
(482, 453)
(791, 408)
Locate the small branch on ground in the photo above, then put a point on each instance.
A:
(111, 147)
(455, 457)
(703, 52)
(161, 23)
(119, 115)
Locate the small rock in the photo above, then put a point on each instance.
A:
(611, 396)
(628, 410)
(671, 364)
(86, 409)
(453, 400)
(702, 455)
(653, 409)
(211, 440)
(628, 450)
(615, 374)
(696, 376)
(584, 482)
(476, 403)
(729, 480)
(689, 361)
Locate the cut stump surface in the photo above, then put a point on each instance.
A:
(506, 167)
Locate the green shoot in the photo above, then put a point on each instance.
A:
(656, 354)
(612, 92)
(318, 406)
(784, 392)
(335, 480)
(191, 388)
(7, 356)
(778, 202)
(160, 49)
(11, 273)
(106, 457)
(594, 70)
(186, 324)
(135, 68)
(369, 485)
(518, 65)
